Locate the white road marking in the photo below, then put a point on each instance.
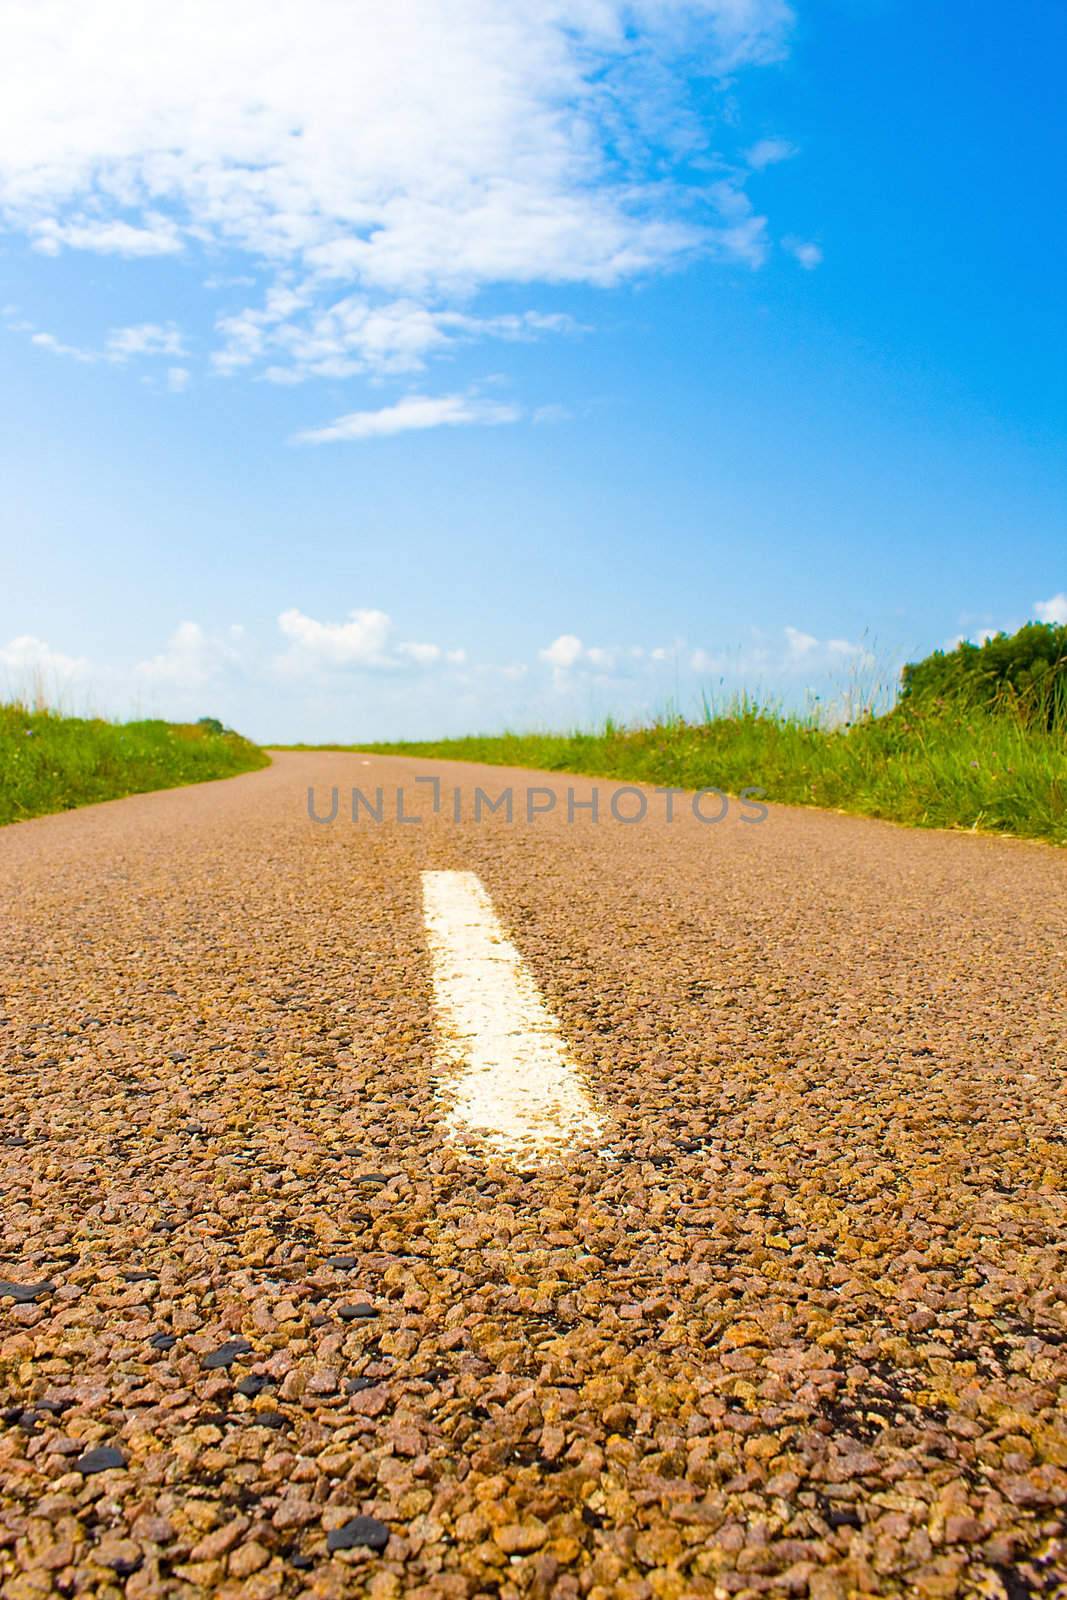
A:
(502, 1064)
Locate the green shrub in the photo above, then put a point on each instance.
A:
(1024, 673)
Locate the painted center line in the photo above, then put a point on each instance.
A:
(502, 1065)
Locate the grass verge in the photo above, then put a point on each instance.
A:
(50, 762)
(943, 768)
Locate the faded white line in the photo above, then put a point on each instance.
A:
(502, 1064)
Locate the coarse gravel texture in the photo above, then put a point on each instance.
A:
(798, 1328)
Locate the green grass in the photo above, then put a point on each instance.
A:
(939, 768)
(50, 762)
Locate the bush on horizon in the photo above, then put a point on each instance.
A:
(1024, 673)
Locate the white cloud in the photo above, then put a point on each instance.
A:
(192, 657)
(768, 152)
(1052, 610)
(30, 661)
(568, 655)
(800, 643)
(564, 652)
(406, 416)
(803, 250)
(363, 640)
(413, 154)
(178, 379)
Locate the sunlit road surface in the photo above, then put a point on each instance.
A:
(555, 1207)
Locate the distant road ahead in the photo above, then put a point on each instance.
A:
(645, 1209)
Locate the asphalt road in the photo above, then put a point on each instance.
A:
(767, 1295)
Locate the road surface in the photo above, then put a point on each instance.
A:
(550, 1207)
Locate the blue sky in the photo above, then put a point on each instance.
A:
(389, 370)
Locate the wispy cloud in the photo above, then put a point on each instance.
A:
(417, 412)
(788, 654)
(355, 335)
(769, 152)
(122, 344)
(57, 347)
(569, 657)
(157, 236)
(806, 650)
(803, 250)
(145, 339)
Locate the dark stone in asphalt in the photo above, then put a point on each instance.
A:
(360, 1533)
(226, 1353)
(342, 1263)
(357, 1385)
(845, 1518)
(99, 1460)
(362, 1312)
(24, 1294)
(268, 1419)
(253, 1385)
(163, 1341)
